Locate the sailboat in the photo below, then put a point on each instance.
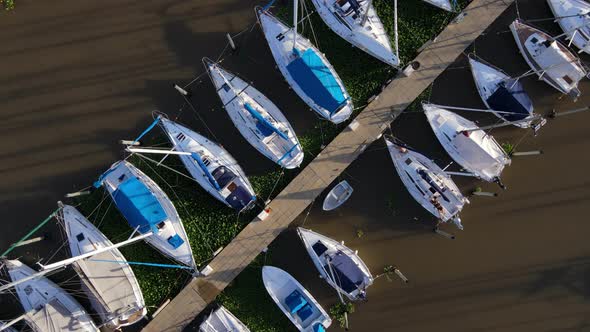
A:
(148, 209)
(260, 122)
(106, 277)
(221, 320)
(305, 68)
(500, 92)
(339, 265)
(211, 166)
(356, 21)
(48, 307)
(549, 59)
(573, 18)
(442, 4)
(295, 301)
(472, 148)
(430, 186)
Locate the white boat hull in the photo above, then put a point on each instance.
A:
(337, 196)
(113, 288)
(576, 27)
(48, 307)
(476, 151)
(280, 40)
(370, 37)
(442, 4)
(236, 193)
(280, 285)
(315, 243)
(237, 96)
(414, 169)
(122, 171)
(222, 320)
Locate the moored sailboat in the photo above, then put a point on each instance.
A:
(552, 61)
(259, 121)
(305, 68)
(106, 277)
(472, 148)
(339, 265)
(573, 16)
(356, 21)
(428, 184)
(148, 209)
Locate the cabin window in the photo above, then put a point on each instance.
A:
(408, 161)
(432, 190)
(121, 178)
(180, 136)
(80, 237)
(225, 87)
(161, 225)
(28, 290)
(534, 40)
(567, 79)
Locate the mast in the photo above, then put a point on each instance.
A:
(295, 7)
(366, 16)
(395, 30)
(45, 269)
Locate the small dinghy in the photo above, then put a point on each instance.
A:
(147, 208)
(430, 186)
(356, 21)
(340, 266)
(211, 166)
(47, 306)
(260, 122)
(549, 59)
(573, 18)
(442, 4)
(106, 277)
(475, 150)
(295, 301)
(337, 196)
(221, 320)
(306, 69)
(501, 93)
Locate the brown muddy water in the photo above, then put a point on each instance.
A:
(77, 76)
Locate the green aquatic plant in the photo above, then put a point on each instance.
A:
(508, 148)
(8, 4)
(360, 233)
(340, 311)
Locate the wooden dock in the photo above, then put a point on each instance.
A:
(329, 164)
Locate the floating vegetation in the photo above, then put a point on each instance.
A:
(508, 148)
(8, 4)
(340, 311)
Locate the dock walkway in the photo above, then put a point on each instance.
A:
(329, 164)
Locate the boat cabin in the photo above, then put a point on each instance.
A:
(348, 7)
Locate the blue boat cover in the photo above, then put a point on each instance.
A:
(175, 241)
(138, 205)
(319, 328)
(199, 160)
(223, 176)
(316, 80)
(295, 301)
(511, 97)
(305, 312)
(346, 272)
(265, 127)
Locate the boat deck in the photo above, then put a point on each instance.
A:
(328, 165)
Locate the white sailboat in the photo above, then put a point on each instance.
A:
(430, 186)
(552, 61)
(337, 196)
(47, 306)
(573, 16)
(106, 277)
(295, 301)
(442, 4)
(211, 166)
(339, 265)
(222, 320)
(356, 21)
(146, 207)
(260, 122)
(500, 92)
(472, 148)
(305, 68)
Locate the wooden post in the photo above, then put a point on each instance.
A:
(483, 193)
(527, 153)
(443, 233)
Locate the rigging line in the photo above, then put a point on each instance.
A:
(308, 212)
(204, 239)
(104, 197)
(200, 118)
(517, 10)
(105, 214)
(165, 166)
(41, 224)
(311, 25)
(276, 183)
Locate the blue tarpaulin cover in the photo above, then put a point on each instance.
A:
(175, 241)
(305, 312)
(511, 97)
(138, 205)
(319, 328)
(346, 272)
(295, 301)
(316, 80)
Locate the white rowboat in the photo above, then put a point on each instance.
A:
(221, 320)
(337, 196)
